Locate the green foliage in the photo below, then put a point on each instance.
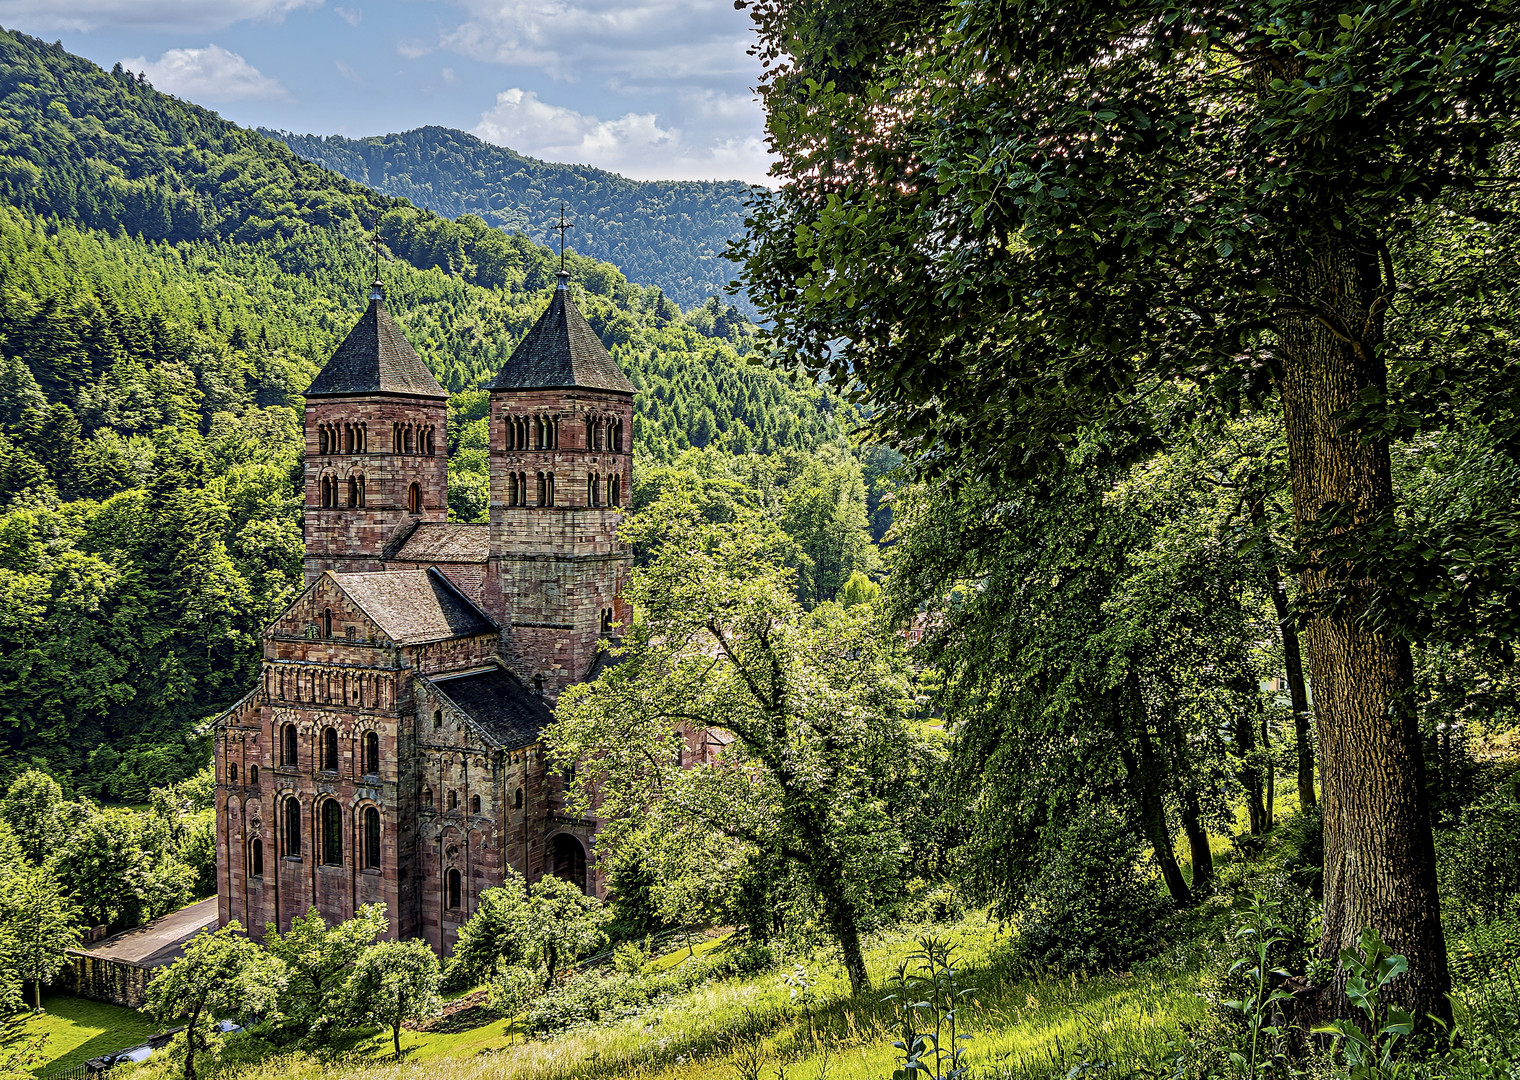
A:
(1479, 860)
(317, 959)
(393, 982)
(39, 923)
(927, 998)
(222, 975)
(1368, 1055)
(1092, 907)
(666, 233)
(512, 987)
(559, 925)
(492, 934)
(819, 771)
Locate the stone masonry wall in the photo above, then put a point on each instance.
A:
(350, 538)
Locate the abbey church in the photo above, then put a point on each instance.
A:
(391, 752)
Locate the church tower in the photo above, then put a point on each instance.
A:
(561, 469)
(376, 456)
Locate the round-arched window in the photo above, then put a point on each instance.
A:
(332, 833)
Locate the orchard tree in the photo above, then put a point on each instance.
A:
(40, 923)
(813, 711)
(393, 982)
(560, 924)
(318, 957)
(1002, 224)
(222, 975)
(493, 932)
(38, 814)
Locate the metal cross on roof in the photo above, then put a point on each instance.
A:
(562, 225)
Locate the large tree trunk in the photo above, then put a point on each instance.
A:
(1379, 852)
(840, 913)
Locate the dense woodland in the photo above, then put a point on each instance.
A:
(669, 233)
(1124, 594)
(170, 284)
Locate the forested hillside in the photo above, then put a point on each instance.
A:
(667, 233)
(169, 283)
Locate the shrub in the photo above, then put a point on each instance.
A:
(512, 987)
(628, 959)
(1090, 907)
(1479, 861)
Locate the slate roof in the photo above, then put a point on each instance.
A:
(561, 350)
(414, 606)
(503, 708)
(441, 542)
(375, 358)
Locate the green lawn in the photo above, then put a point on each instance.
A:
(78, 1030)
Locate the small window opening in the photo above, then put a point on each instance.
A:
(372, 753)
(454, 882)
(453, 800)
(474, 804)
(351, 633)
(517, 799)
(427, 798)
(372, 838)
(332, 833)
(326, 621)
(330, 749)
(293, 828)
(256, 858)
(543, 490)
(616, 498)
(232, 772)
(288, 745)
(414, 499)
(253, 774)
(437, 719)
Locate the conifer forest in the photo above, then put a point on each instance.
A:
(1058, 618)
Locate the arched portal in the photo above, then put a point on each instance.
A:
(569, 860)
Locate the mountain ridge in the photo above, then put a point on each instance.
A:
(668, 233)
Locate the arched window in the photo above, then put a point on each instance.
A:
(590, 433)
(616, 489)
(293, 828)
(437, 719)
(430, 442)
(517, 800)
(591, 490)
(406, 440)
(321, 440)
(453, 800)
(361, 442)
(332, 833)
(606, 620)
(427, 798)
(288, 745)
(232, 772)
(326, 620)
(372, 754)
(518, 442)
(617, 436)
(327, 491)
(253, 775)
(538, 433)
(474, 804)
(372, 838)
(550, 501)
(543, 491)
(330, 749)
(511, 489)
(395, 438)
(256, 858)
(414, 499)
(554, 433)
(454, 883)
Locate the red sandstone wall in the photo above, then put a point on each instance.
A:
(344, 538)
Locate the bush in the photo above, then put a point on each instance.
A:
(1297, 846)
(512, 987)
(1479, 861)
(628, 959)
(1090, 907)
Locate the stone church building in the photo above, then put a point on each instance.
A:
(391, 751)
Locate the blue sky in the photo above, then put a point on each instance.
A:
(654, 89)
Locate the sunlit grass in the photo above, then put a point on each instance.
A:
(78, 1030)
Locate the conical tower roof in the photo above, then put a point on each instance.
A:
(561, 351)
(375, 358)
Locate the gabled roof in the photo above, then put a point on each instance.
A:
(502, 708)
(561, 351)
(441, 542)
(375, 358)
(414, 606)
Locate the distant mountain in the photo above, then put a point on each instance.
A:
(666, 233)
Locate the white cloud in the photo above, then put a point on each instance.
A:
(209, 74)
(449, 78)
(352, 16)
(635, 144)
(412, 48)
(347, 71)
(182, 15)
